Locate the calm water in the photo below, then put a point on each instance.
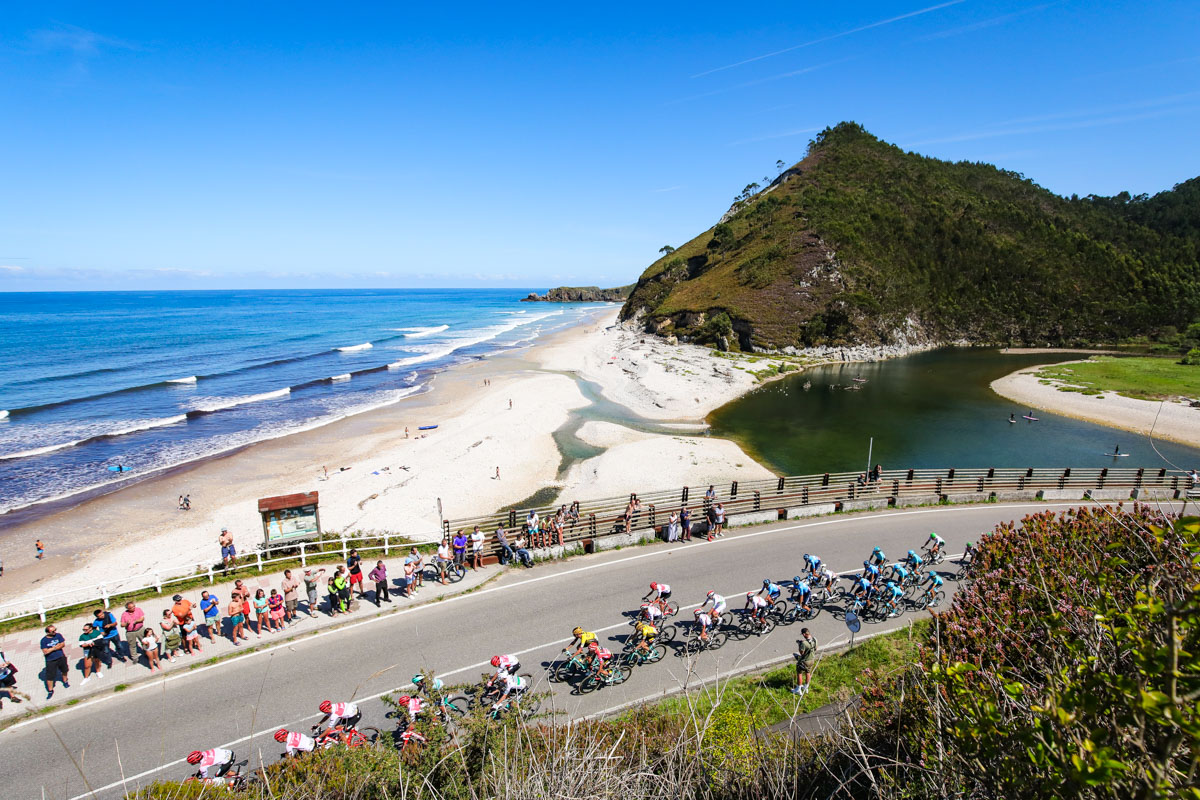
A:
(929, 410)
(143, 381)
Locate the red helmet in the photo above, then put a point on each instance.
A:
(194, 757)
(495, 661)
(281, 735)
(403, 699)
(654, 586)
(325, 706)
(594, 646)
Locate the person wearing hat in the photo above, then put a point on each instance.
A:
(806, 651)
(312, 578)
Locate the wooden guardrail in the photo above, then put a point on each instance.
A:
(602, 517)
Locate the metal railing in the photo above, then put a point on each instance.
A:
(605, 516)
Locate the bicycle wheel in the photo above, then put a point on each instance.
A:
(456, 707)
(620, 674)
(528, 707)
(779, 609)
(727, 619)
(562, 670)
(716, 639)
(937, 599)
(456, 572)
(745, 628)
(656, 653)
(670, 608)
(588, 684)
(667, 633)
(370, 734)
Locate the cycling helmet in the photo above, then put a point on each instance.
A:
(877, 550)
(495, 661)
(866, 565)
(766, 582)
(970, 544)
(932, 535)
(403, 699)
(796, 580)
(325, 707)
(911, 553)
(437, 684)
(577, 630)
(281, 735)
(712, 593)
(194, 757)
(891, 584)
(654, 586)
(698, 612)
(418, 679)
(751, 594)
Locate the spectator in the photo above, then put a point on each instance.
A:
(379, 575)
(191, 636)
(237, 619)
(91, 641)
(460, 548)
(228, 551)
(276, 610)
(408, 581)
(506, 551)
(312, 582)
(335, 598)
(52, 646)
(806, 647)
(685, 523)
(711, 514)
(573, 511)
(861, 480)
(149, 645)
(8, 681)
(211, 608)
(343, 586)
(262, 616)
(291, 591)
(720, 515)
(522, 553)
(710, 496)
(414, 556)
(354, 564)
(673, 527)
(107, 623)
(182, 610)
(476, 548)
(443, 559)
(41, 552)
(172, 638)
(133, 620)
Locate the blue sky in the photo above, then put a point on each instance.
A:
(293, 145)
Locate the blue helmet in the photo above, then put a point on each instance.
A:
(911, 553)
(796, 580)
(891, 585)
(877, 550)
(766, 582)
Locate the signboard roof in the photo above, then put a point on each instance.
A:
(286, 501)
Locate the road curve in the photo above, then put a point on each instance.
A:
(127, 739)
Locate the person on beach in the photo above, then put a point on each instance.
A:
(91, 641)
(291, 591)
(476, 548)
(52, 646)
(191, 636)
(312, 579)
(210, 607)
(460, 548)
(354, 564)
(510, 405)
(150, 647)
(8, 681)
(106, 623)
(379, 576)
(506, 551)
(414, 556)
(262, 615)
(444, 556)
(277, 611)
(497, 473)
(335, 597)
(172, 639)
(41, 549)
(133, 620)
(1, 566)
(237, 619)
(228, 551)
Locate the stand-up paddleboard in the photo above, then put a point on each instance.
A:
(1013, 421)
(120, 469)
(1031, 419)
(426, 427)
(1117, 455)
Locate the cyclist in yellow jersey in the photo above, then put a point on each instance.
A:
(582, 639)
(646, 633)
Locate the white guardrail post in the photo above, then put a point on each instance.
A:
(386, 542)
(210, 575)
(258, 557)
(157, 583)
(103, 595)
(344, 553)
(303, 559)
(41, 610)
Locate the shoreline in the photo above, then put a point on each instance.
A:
(1171, 420)
(379, 480)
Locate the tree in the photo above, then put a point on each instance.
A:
(779, 165)
(666, 249)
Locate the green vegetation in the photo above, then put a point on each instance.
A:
(1140, 378)
(861, 240)
(1069, 668)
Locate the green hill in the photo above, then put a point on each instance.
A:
(862, 242)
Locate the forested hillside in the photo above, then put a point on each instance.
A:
(862, 242)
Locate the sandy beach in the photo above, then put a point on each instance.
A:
(380, 480)
(1173, 420)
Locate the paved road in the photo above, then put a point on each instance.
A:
(143, 733)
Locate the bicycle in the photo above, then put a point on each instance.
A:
(490, 691)
(233, 780)
(695, 644)
(929, 599)
(527, 707)
(454, 572)
(752, 624)
(931, 558)
(635, 657)
(617, 674)
(563, 670)
(349, 737)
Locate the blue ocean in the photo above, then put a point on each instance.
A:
(97, 388)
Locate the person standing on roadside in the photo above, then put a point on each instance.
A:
(460, 548)
(210, 607)
(291, 591)
(8, 681)
(685, 523)
(506, 551)
(228, 551)
(342, 583)
(719, 510)
(476, 548)
(91, 641)
(414, 558)
(52, 646)
(237, 619)
(312, 582)
(133, 620)
(806, 651)
(354, 564)
(106, 623)
(379, 576)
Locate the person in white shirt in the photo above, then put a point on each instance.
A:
(212, 763)
(444, 556)
(514, 687)
(346, 714)
(476, 548)
(296, 741)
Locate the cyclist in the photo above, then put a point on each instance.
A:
(431, 688)
(968, 555)
(863, 590)
(935, 583)
(645, 633)
(345, 713)
(505, 666)
(934, 545)
(652, 612)
(718, 604)
(514, 687)
(582, 639)
(899, 573)
(296, 741)
(826, 578)
(212, 763)
(413, 706)
(772, 589)
(894, 593)
(659, 594)
(877, 557)
(756, 605)
(802, 592)
(914, 561)
(599, 659)
(812, 564)
(704, 619)
(870, 572)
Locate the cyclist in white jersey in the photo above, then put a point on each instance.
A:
(212, 763)
(719, 605)
(514, 687)
(296, 741)
(345, 713)
(756, 604)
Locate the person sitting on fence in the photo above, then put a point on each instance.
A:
(519, 547)
(573, 511)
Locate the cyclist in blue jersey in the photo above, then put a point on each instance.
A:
(772, 589)
(914, 561)
(899, 573)
(812, 563)
(863, 590)
(893, 593)
(870, 572)
(802, 592)
(878, 557)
